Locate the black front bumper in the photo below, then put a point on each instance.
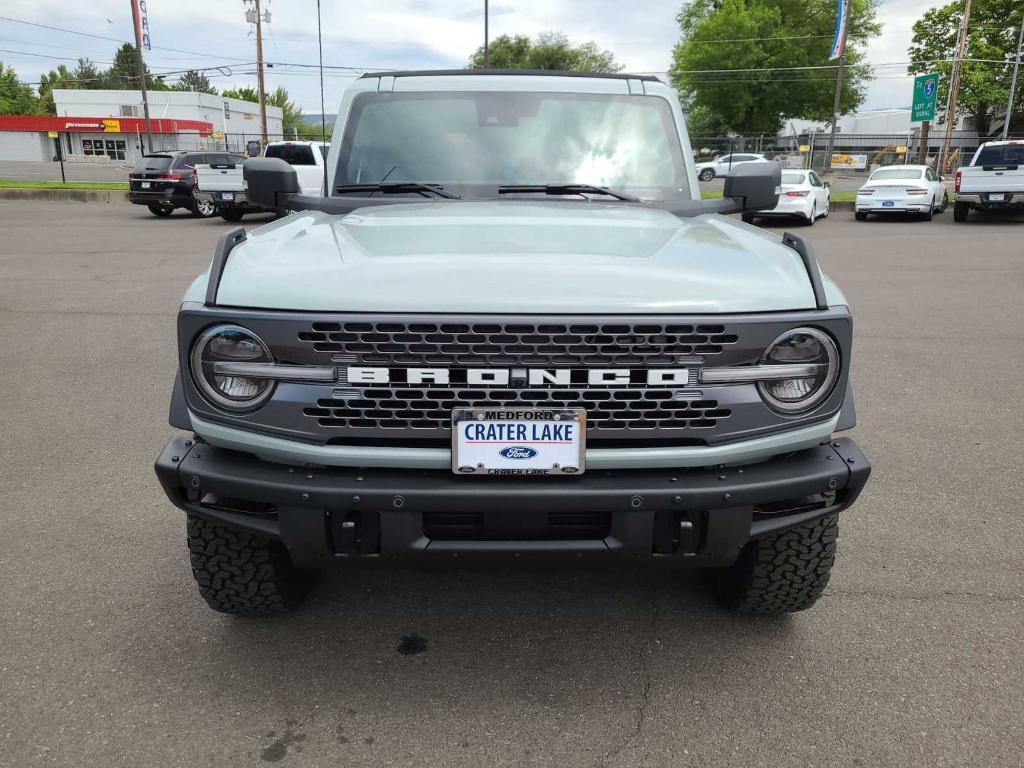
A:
(686, 516)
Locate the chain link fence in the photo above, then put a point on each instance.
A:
(109, 156)
(852, 153)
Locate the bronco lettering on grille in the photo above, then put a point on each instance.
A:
(503, 377)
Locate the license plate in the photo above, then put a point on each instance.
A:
(145, 185)
(997, 198)
(227, 195)
(519, 442)
(888, 203)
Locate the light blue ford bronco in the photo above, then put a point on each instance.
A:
(512, 331)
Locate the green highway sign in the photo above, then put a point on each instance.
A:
(926, 90)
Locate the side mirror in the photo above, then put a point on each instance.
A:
(754, 186)
(828, 184)
(942, 178)
(268, 177)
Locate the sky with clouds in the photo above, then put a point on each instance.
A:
(387, 34)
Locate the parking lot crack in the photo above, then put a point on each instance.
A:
(646, 683)
(945, 595)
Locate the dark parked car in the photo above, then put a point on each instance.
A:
(164, 181)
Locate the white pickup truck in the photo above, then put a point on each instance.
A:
(224, 186)
(994, 179)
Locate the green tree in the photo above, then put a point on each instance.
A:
(85, 76)
(124, 72)
(245, 93)
(292, 113)
(16, 97)
(992, 37)
(551, 50)
(195, 81)
(737, 61)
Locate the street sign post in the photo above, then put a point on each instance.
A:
(926, 89)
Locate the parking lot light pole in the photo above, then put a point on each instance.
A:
(142, 75)
(1013, 83)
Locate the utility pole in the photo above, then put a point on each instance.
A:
(954, 86)
(256, 17)
(137, 23)
(486, 33)
(839, 86)
(1013, 83)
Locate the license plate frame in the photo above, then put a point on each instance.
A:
(533, 451)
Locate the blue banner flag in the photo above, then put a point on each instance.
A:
(839, 42)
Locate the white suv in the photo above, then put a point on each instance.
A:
(723, 165)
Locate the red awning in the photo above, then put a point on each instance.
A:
(101, 124)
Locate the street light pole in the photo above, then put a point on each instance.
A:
(1013, 83)
(839, 87)
(954, 86)
(486, 33)
(142, 74)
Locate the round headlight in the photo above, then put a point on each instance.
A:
(816, 353)
(230, 344)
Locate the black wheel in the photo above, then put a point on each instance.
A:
(160, 210)
(945, 202)
(706, 174)
(927, 215)
(242, 574)
(960, 211)
(748, 217)
(781, 573)
(203, 209)
(860, 216)
(231, 214)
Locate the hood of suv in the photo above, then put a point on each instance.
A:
(512, 257)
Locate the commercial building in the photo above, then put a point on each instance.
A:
(108, 126)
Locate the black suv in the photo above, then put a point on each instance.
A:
(165, 181)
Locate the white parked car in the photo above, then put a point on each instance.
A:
(723, 165)
(902, 189)
(802, 194)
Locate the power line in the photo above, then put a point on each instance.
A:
(111, 39)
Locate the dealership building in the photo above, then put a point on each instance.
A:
(109, 126)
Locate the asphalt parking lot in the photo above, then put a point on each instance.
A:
(108, 657)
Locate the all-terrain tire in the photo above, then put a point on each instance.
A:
(781, 573)
(860, 216)
(232, 214)
(243, 574)
(160, 210)
(748, 218)
(961, 211)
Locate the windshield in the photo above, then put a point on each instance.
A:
(293, 154)
(792, 178)
(153, 163)
(896, 173)
(487, 139)
(1005, 154)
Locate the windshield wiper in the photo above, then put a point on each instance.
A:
(566, 189)
(398, 187)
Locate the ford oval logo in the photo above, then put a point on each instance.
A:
(518, 452)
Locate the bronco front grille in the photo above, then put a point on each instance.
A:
(498, 344)
(431, 409)
(639, 410)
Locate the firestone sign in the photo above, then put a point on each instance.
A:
(926, 89)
